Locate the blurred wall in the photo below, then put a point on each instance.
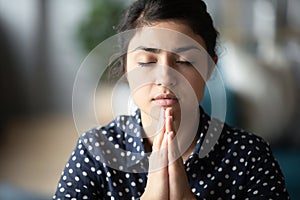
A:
(259, 52)
(40, 55)
(259, 57)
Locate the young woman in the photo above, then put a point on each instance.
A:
(157, 153)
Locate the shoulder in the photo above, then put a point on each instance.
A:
(251, 152)
(241, 143)
(240, 137)
(226, 139)
(113, 132)
(116, 142)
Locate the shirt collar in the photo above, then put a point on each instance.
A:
(133, 125)
(204, 124)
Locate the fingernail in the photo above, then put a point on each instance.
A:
(161, 119)
(168, 111)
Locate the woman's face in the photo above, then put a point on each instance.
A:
(167, 66)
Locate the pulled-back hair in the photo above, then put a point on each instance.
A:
(191, 12)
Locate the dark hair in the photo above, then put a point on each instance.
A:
(192, 12)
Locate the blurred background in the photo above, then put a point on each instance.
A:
(44, 42)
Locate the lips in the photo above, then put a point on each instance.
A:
(165, 99)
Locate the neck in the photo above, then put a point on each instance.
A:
(151, 127)
(187, 138)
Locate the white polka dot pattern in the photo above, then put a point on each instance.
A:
(240, 165)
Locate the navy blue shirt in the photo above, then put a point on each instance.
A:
(110, 162)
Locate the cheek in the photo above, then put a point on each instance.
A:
(141, 97)
(198, 85)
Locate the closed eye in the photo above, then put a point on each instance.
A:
(145, 64)
(184, 62)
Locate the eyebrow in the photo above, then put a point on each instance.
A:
(148, 49)
(156, 51)
(187, 48)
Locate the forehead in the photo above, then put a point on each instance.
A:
(166, 36)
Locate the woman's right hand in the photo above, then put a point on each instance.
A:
(157, 187)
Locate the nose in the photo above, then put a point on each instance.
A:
(165, 75)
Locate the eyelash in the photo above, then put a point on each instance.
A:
(145, 64)
(185, 63)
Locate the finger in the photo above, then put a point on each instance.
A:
(168, 120)
(158, 183)
(174, 156)
(164, 144)
(177, 175)
(161, 121)
(164, 151)
(159, 159)
(157, 141)
(159, 137)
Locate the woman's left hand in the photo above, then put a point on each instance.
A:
(178, 183)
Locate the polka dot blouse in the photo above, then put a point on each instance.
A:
(110, 162)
